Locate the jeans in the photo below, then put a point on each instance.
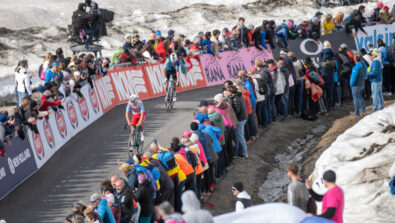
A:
(282, 34)
(291, 100)
(285, 105)
(328, 95)
(239, 139)
(299, 95)
(90, 34)
(337, 94)
(358, 99)
(377, 94)
(145, 219)
(21, 95)
(281, 104)
(267, 118)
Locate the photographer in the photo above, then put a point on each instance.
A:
(74, 85)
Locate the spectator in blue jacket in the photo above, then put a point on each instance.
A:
(388, 79)
(52, 73)
(375, 75)
(206, 43)
(102, 209)
(357, 83)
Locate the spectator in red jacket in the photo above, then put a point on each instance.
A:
(128, 56)
(45, 102)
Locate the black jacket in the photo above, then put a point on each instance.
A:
(165, 182)
(125, 200)
(256, 37)
(239, 106)
(314, 32)
(267, 82)
(270, 37)
(144, 196)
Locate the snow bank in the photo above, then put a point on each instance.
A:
(362, 157)
(264, 213)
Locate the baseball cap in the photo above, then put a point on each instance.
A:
(130, 161)
(386, 7)
(136, 35)
(318, 14)
(186, 134)
(94, 197)
(344, 46)
(203, 103)
(373, 53)
(55, 64)
(380, 4)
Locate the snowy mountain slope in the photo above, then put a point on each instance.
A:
(362, 158)
(33, 28)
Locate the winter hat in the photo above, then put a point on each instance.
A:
(373, 53)
(380, 4)
(110, 198)
(344, 46)
(283, 52)
(238, 186)
(194, 126)
(170, 32)
(219, 98)
(186, 133)
(203, 103)
(142, 177)
(77, 74)
(3, 118)
(95, 197)
(315, 19)
(386, 7)
(128, 36)
(330, 176)
(55, 64)
(158, 33)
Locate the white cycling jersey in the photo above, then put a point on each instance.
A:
(135, 109)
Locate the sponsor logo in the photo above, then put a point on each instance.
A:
(129, 82)
(94, 102)
(49, 135)
(105, 91)
(18, 160)
(38, 146)
(83, 109)
(72, 115)
(234, 65)
(194, 74)
(2, 173)
(375, 33)
(61, 124)
(310, 47)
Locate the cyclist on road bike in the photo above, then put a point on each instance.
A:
(136, 106)
(171, 69)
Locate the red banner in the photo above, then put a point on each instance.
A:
(145, 81)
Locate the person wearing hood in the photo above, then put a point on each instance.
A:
(168, 215)
(145, 195)
(237, 102)
(243, 198)
(375, 75)
(192, 211)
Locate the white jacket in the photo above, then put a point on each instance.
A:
(239, 204)
(22, 79)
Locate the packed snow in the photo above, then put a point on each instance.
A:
(362, 158)
(29, 29)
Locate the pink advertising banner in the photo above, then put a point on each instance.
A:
(217, 71)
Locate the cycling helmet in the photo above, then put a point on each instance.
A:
(173, 57)
(133, 98)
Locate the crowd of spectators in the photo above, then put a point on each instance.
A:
(167, 181)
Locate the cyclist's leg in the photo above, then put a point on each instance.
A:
(167, 81)
(174, 86)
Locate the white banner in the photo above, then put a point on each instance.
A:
(384, 32)
(62, 125)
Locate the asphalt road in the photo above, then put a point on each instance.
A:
(76, 170)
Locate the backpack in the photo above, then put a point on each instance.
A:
(167, 159)
(42, 72)
(192, 159)
(114, 58)
(261, 86)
